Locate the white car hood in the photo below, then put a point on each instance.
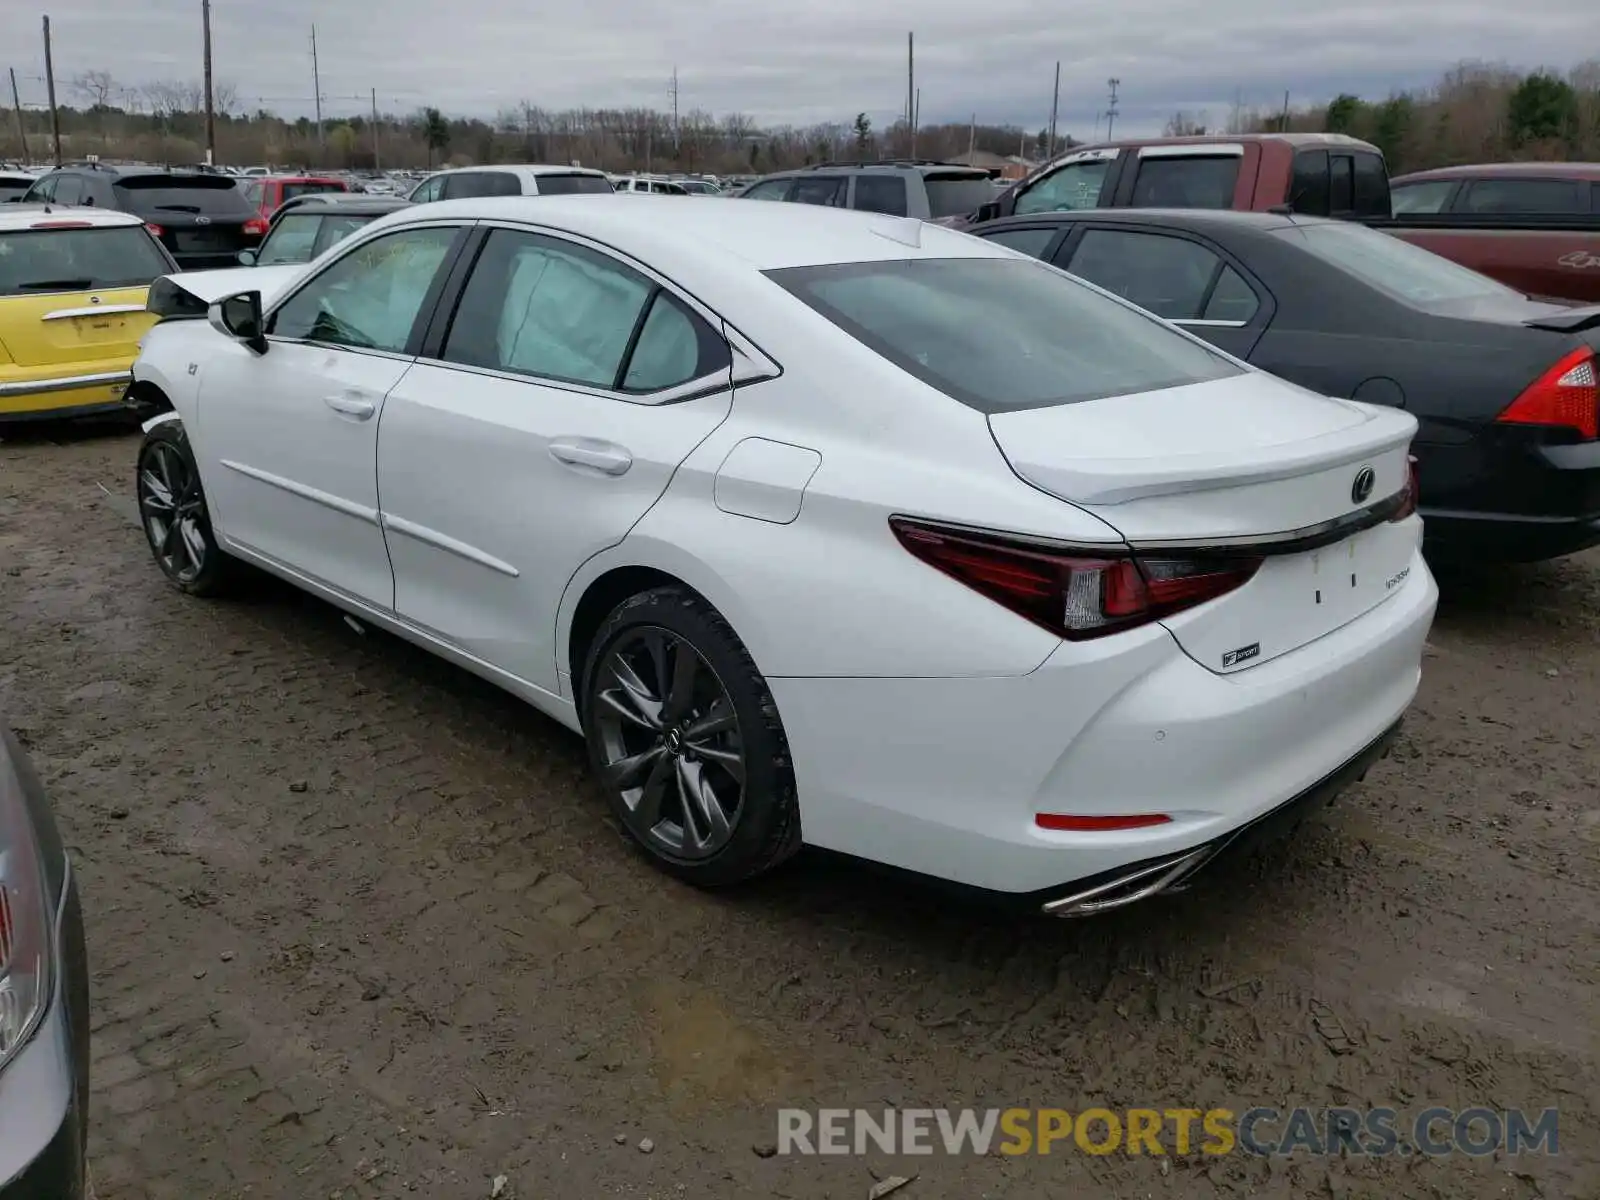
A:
(211, 286)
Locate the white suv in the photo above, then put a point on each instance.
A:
(518, 180)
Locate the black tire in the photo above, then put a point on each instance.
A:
(763, 823)
(184, 548)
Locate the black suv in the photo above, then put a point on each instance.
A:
(201, 218)
(930, 190)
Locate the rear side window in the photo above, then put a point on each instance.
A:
(1406, 272)
(573, 185)
(769, 189)
(827, 190)
(1171, 277)
(881, 194)
(956, 195)
(1076, 185)
(208, 195)
(76, 260)
(1341, 185)
(1032, 242)
(291, 190)
(1308, 187)
(999, 334)
(1200, 182)
(1423, 198)
(1372, 186)
(1525, 196)
(475, 184)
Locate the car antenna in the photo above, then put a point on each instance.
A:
(1281, 210)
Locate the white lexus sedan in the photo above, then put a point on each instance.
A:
(821, 527)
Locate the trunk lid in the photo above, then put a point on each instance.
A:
(63, 328)
(1248, 462)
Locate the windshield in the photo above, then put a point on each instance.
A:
(954, 196)
(1406, 272)
(1000, 333)
(78, 260)
(208, 195)
(569, 185)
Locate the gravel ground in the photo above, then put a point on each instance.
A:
(360, 927)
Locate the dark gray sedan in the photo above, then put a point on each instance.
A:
(1503, 387)
(44, 997)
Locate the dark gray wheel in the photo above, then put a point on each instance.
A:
(172, 510)
(686, 741)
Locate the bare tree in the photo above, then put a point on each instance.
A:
(1186, 124)
(95, 87)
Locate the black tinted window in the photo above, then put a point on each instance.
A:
(827, 190)
(1001, 333)
(1032, 242)
(1527, 196)
(881, 194)
(953, 196)
(1308, 189)
(13, 188)
(1186, 182)
(210, 195)
(1168, 276)
(572, 185)
(1341, 185)
(1427, 197)
(45, 260)
(69, 190)
(481, 183)
(1372, 186)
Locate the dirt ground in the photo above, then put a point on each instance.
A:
(361, 928)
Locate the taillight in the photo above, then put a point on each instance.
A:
(1408, 498)
(1075, 594)
(155, 230)
(1566, 395)
(62, 225)
(256, 227)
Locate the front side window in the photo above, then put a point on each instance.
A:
(1204, 181)
(293, 240)
(1308, 186)
(1069, 188)
(827, 190)
(1168, 276)
(1032, 242)
(69, 190)
(769, 189)
(428, 190)
(881, 194)
(78, 260)
(369, 299)
(1424, 198)
(999, 334)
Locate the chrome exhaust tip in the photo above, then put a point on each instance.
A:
(1139, 883)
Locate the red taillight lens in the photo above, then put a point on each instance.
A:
(1566, 395)
(1074, 594)
(155, 230)
(1097, 824)
(256, 227)
(62, 225)
(1408, 498)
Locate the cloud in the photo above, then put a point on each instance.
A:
(823, 60)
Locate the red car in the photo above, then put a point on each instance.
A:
(266, 192)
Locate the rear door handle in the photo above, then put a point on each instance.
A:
(351, 406)
(605, 457)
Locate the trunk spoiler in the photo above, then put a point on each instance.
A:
(1576, 320)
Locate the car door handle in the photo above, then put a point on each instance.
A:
(351, 406)
(605, 457)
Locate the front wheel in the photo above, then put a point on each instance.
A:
(172, 512)
(686, 741)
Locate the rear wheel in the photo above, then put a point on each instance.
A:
(172, 511)
(686, 741)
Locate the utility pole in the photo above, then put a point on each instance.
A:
(676, 140)
(316, 85)
(1111, 106)
(916, 119)
(1285, 127)
(375, 165)
(50, 86)
(972, 137)
(1055, 108)
(22, 130)
(211, 114)
(911, 92)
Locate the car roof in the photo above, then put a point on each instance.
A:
(1520, 170)
(17, 217)
(351, 202)
(919, 166)
(301, 177)
(523, 169)
(676, 239)
(1188, 218)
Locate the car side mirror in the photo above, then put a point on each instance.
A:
(988, 211)
(247, 258)
(239, 317)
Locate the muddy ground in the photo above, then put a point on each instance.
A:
(360, 928)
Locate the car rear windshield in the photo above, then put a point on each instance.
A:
(1406, 272)
(571, 185)
(1001, 334)
(291, 190)
(956, 195)
(78, 260)
(1198, 182)
(202, 195)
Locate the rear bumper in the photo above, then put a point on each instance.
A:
(63, 395)
(1506, 537)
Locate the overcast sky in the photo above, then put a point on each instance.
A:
(799, 63)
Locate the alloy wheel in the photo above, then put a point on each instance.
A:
(671, 746)
(171, 505)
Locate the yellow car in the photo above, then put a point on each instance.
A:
(72, 307)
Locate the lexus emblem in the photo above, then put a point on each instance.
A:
(202, 220)
(1365, 480)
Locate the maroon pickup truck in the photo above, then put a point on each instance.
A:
(1471, 215)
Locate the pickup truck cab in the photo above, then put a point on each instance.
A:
(1320, 174)
(1534, 226)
